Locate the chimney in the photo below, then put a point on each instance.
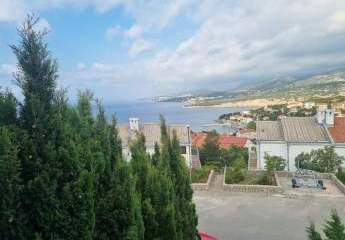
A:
(320, 116)
(329, 117)
(134, 124)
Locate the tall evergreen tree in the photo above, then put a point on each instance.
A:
(10, 188)
(334, 228)
(8, 108)
(312, 233)
(186, 218)
(50, 168)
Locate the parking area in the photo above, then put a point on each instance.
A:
(330, 191)
(238, 216)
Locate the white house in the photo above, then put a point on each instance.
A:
(290, 136)
(152, 133)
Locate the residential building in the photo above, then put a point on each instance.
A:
(246, 133)
(152, 132)
(290, 136)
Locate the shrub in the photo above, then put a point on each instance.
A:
(321, 160)
(200, 175)
(234, 176)
(264, 179)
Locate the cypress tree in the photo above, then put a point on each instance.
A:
(10, 188)
(334, 228)
(8, 108)
(156, 155)
(185, 212)
(312, 233)
(50, 168)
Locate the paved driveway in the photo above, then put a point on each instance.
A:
(251, 216)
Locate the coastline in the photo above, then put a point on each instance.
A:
(251, 104)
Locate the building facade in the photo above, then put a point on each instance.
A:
(291, 136)
(152, 132)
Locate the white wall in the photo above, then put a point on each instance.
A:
(271, 148)
(291, 151)
(296, 149)
(151, 150)
(340, 150)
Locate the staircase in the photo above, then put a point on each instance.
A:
(195, 162)
(217, 182)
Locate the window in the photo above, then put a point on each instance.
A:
(183, 149)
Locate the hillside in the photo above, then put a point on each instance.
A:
(318, 88)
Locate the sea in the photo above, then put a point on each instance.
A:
(174, 113)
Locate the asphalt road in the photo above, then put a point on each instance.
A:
(258, 217)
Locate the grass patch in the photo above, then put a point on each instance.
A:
(200, 175)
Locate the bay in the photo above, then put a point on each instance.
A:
(173, 112)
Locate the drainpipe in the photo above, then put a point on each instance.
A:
(288, 156)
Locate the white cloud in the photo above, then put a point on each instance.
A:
(112, 32)
(251, 38)
(7, 69)
(134, 31)
(139, 46)
(43, 25)
(255, 38)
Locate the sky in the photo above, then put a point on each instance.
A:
(130, 49)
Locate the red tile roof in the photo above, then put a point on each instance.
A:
(198, 139)
(338, 130)
(224, 141)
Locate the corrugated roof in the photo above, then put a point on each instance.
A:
(303, 129)
(338, 130)
(269, 131)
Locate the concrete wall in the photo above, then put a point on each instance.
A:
(271, 148)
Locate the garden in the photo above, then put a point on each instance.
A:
(237, 173)
(200, 175)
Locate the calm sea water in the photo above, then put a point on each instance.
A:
(174, 113)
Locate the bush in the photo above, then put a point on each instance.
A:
(200, 175)
(272, 163)
(234, 176)
(321, 160)
(264, 179)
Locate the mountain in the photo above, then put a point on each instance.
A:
(328, 85)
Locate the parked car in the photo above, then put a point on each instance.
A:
(205, 236)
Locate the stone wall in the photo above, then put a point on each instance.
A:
(253, 188)
(338, 183)
(203, 186)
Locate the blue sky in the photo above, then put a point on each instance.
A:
(128, 49)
